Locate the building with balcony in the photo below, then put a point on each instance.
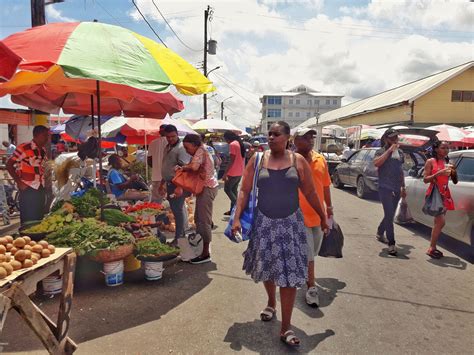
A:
(295, 106)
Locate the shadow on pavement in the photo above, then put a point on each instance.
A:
(403, 251)
(449, 261)
(99, 310)
(263, 337)
(327, 290)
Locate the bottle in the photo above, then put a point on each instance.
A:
(396, 154)
(238, 237)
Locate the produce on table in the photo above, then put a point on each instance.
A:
(115, 217)
(145, 206)
(87, 204)
(152, 247)
(90, 235)
(50, 224)
(18, 253)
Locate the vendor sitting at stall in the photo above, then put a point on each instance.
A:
(120, 186)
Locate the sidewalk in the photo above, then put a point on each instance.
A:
(10, 228)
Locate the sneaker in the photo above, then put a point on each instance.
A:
(201, 260)
(381, 238)
(312, 297)
(392, 250)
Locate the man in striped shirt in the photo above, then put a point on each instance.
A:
(27, 169)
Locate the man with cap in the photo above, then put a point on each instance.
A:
(156, 152)
(304, 143)
(389, 161)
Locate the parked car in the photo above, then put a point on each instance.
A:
(359, 169)
(460, 222)
(222, 148)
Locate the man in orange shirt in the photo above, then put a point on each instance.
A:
(304, 142)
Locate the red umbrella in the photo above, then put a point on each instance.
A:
(8, 62)
(449, 133)
(469, 139)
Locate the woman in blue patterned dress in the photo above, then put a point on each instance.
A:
(276, 254)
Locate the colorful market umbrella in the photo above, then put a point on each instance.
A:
(213, 125)
(468, 139)
(449, 133)
(99, 51)
(8, 62)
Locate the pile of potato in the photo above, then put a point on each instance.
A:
(22, 252)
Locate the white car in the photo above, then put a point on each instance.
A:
(460, 222)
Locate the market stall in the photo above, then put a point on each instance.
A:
(16, 288)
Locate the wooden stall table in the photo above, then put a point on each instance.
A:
(16, 289)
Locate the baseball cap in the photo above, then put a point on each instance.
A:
(390, 133)
(299, 132)
(256, 143)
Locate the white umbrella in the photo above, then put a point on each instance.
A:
(213, 125)
(449, 133)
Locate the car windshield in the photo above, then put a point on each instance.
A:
(221, 148)
(465, 169)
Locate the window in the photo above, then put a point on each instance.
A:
(297, 101)
(465, 170)
(462, 96)
(328, 102)
(369, 157)
(316, 102)
(357, 157)
(291, 101)
(309, 102)
(334, 102)
(290, 114)
(274, 100)
(297, 114)
(274, 112)
(269, 124)
(308, 114)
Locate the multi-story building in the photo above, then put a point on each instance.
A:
(295, 106)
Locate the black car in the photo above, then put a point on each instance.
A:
(359, 170)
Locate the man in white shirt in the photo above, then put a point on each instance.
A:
(348, 151)
(156, 151)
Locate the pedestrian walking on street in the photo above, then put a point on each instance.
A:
(235, 168)
(156, 151)
(26, 167)
(202, 161)
(277, 250)
(304, 142)
(175, 155)
(389, 161)
(437, 172)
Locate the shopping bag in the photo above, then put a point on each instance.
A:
(248, 214)
(190, 181)
(434, 204)
(190, 246)
(332, 244)
(402, 214)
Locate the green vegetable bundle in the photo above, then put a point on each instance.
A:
(87, 204)
(89, 235)
(151, 246)
(116, 217)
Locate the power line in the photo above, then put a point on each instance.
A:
(223, 80)
(172, 30)
(241, 87)
(144, 18)
(105, 10)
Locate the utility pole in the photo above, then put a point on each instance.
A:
(206, 17)
(38, 16)
(222, 110)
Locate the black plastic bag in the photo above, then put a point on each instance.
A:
(332, 244)
(434, 204)
(89, 149)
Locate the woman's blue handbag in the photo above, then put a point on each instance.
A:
(248, 214)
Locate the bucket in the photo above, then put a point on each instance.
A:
(131, 263)
(113, 273)
(52, 285)
(153, 270)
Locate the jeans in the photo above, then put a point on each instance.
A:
(389, 201)
(231, 187)
(32, 204)
(178, 209)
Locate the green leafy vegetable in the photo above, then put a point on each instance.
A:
(151, 246)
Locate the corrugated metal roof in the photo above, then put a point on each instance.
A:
(314, 94)
(403, 94)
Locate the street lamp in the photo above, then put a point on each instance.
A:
(222, 107)
(210, 71)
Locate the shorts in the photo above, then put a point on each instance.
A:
(315, 239)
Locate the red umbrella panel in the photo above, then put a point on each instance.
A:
(8, 62)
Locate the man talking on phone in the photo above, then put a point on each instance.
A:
(389, 161)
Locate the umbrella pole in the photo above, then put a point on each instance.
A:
(100, 149)
(146, 160)
(94, 180)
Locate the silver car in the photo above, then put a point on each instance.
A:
(460, 222)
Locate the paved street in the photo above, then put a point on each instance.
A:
(371, 303)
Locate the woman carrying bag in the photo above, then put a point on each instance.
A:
(277, 250)
(437, 174)
(202, 166)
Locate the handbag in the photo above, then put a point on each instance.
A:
(191, 181)
(434, 203)
(248, 214)
(402, 214)
(331, 246)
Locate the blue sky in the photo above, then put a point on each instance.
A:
(353, 48)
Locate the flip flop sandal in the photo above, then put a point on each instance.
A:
(267, 314)
(432, 253)
(438, 252)
(290, 339)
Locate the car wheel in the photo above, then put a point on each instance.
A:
(336, 181)
(361, 188)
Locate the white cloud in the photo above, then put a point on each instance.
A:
(56, 15)
(263, 50)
